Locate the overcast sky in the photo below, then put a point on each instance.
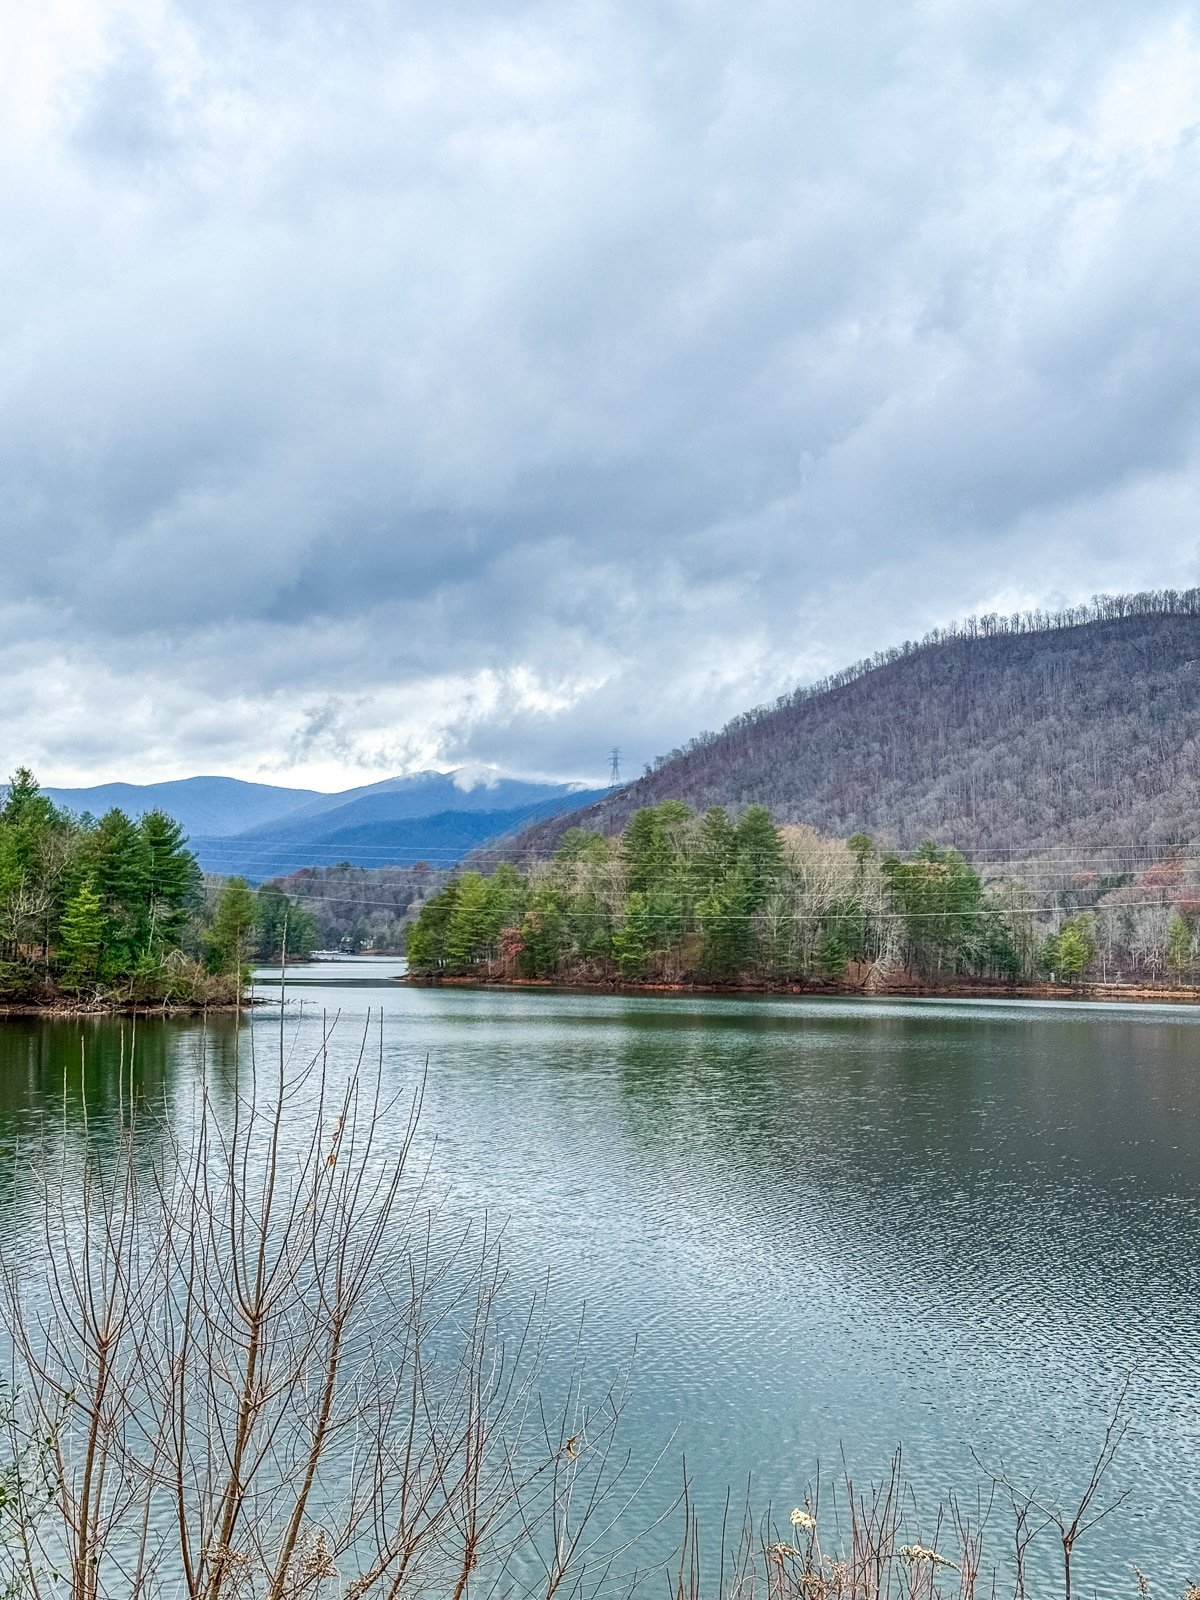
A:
(395, 385)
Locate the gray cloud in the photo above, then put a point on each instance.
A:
(383, 386)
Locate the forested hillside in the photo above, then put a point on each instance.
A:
(1004, 736)
(352, 907)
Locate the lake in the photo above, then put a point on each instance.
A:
(829, 1226)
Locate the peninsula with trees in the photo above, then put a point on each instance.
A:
(111, 913)
(681, 898)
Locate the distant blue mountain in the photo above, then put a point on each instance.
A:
(425, 794)
(261, 831)
(442, 840)
(211, 806)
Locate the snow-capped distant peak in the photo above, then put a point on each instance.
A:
(476, 776)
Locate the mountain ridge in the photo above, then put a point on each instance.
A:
(206, 803)
(395, 822)
(1002, 736)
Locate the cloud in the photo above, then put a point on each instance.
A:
(386, 386)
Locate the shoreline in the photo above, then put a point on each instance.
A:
(124, 1008)
(970, 989)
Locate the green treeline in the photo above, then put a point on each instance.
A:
(680, 896)
(115, 908)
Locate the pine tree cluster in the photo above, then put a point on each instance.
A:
(115, 909)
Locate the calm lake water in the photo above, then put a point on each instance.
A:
(827, 1226)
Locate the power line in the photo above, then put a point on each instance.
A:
(1134, 855)
(817, 913)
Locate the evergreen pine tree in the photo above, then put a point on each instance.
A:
(726, 924)
(469, 934)
(82, 933)
(1075, 947)
(172, 878)
(1179, 946)
(120, 863)
(426, 943)
(647, 850)
(759, 854)
(542, 933)
(715, 854)
(25, 804)
(228, 941)
(507, 893)
(834, 955)
(634, 939)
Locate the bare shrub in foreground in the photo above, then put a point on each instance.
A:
(255, 1371)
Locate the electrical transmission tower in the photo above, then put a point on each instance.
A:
(614, 766)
